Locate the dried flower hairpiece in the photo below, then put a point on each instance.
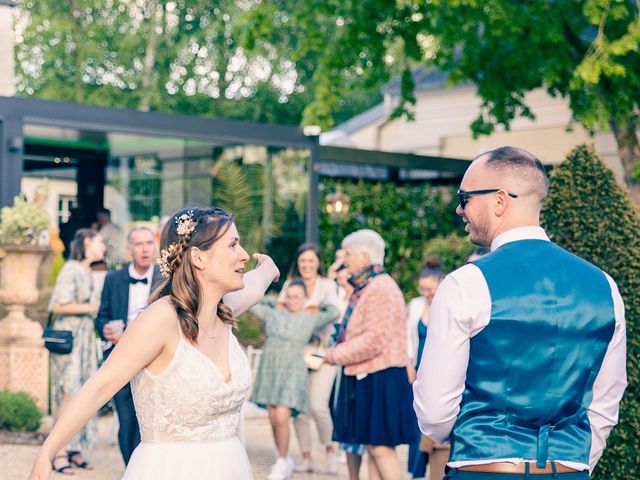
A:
(185, 225)
(165, 256)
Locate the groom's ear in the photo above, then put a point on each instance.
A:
(501, 202)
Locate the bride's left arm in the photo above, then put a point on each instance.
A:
(256, 283)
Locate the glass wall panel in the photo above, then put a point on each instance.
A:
(146, 178)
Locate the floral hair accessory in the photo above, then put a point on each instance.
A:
(165, 256)
(185, 224)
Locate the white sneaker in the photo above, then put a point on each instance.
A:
(304, 467)
(333, 463)
(282, 469)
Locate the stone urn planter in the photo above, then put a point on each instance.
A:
(23, 358)
(19, 265)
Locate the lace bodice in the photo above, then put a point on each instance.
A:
(189, 401)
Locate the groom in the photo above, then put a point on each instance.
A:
(125, 294)
(524, 364)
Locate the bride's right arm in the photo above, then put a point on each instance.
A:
(256, 283)
(143, 341)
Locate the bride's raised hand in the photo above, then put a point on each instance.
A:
(260, 258)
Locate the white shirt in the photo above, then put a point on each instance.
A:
(460, 309)
(139, 292)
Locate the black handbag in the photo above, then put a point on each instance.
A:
(58, 342)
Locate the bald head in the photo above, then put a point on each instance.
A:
(504, 189)
(518, 170)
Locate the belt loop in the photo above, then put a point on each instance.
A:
(543, 446)
(527, 470)
(554, 470)
(451, 474)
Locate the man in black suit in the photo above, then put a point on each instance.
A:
(125, 294)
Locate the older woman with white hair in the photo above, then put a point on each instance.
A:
(373, 404)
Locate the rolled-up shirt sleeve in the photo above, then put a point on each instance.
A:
(460, 310)
(610, 383)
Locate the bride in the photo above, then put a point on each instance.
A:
(189, 376)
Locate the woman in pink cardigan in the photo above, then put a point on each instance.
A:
(373, 404)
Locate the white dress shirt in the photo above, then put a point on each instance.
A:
(460, 309)
(139, 292)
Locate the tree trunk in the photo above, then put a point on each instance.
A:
(76, 37)
(629, 151)
(150, 56)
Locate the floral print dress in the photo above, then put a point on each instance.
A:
(69, 372)
(282, 374)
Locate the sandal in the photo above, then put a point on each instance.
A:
(64, 469)
(71, 454)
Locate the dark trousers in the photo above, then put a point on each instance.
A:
(129, 431)
(455, 474)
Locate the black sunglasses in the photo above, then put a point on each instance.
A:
(463, 197)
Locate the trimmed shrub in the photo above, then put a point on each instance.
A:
(589, 214)
(18, 412)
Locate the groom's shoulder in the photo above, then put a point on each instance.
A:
(467, 275)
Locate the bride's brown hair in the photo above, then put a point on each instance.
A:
(182, 285)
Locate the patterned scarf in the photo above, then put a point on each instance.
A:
(359, 281)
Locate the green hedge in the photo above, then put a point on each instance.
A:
(452, 250)
(590, 215)
(18, 412)
(407, 216)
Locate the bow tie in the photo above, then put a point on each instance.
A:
(133, 281)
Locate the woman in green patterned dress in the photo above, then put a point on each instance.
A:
(74, 302)
(281, 381)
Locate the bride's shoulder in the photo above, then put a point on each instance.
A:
(161, 314)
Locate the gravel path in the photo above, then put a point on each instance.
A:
(15, 460)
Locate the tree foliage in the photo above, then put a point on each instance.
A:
(586, 51)
(172, 56)
(587, 213)
(159, 55)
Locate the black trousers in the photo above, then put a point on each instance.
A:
(129, 431)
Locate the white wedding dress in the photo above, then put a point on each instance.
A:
(189, 418)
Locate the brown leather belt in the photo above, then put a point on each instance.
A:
(506, 467)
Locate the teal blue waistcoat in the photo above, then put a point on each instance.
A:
(532, 368)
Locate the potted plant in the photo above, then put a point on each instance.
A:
(23, 247)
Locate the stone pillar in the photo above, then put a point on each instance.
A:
(24, 367)
(7, 61)
(24, 362)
